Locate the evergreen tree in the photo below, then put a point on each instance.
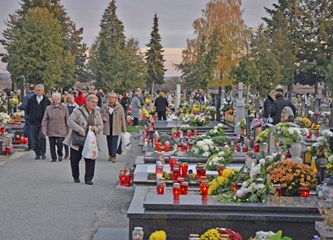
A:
(115, 63)
(154, 58)
(75, 51)
(36, 48)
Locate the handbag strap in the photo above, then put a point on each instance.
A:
(84, 115)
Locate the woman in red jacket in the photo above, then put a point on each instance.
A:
(80, 99)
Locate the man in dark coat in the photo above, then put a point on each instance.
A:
(268, 104)
(279, 104)
(35, 111)
(161, 104)
(23, 106)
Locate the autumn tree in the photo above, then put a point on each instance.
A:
(36, 48)
(154, 57)
(223, 27)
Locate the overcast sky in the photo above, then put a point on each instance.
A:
(175, 17)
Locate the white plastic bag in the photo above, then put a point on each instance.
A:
(125, 143)
(90, 149)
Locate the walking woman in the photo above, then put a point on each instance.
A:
(114, 123)
(79, 121)
(54, 125)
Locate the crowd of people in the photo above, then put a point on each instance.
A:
(74, 113)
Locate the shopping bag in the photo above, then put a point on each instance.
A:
(124, 143)
(90, 149)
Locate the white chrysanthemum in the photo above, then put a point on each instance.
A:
(327, 133)
(310, 112)
(206, 154)
(330, 159)
(262, 161)
(215, 131)
(205, 148)
(245, 184)
(200, 143)
(220, 125)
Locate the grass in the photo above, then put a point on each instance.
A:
(132, 129)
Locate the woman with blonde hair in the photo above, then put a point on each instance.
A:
(113, 116)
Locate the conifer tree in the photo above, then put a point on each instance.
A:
(154, 58)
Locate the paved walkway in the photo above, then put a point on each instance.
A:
(39, 201)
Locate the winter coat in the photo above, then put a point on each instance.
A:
(54, 122)
(24, 104)
(136, 106)
(35, 111)
(81, 100)
(125, 103)
(118, 120)
(268, 105)
(77, 122)
(161, 104)
(279, 104)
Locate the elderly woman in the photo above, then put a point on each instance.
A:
(136, 107)
(114, 123)
(79, 121)
(54, 125)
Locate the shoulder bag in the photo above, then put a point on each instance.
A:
(77, 139)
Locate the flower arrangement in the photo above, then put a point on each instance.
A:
(303, 122)
(198, 120)
(263, 136)
(242, 124)
(257, 187)
(196, 109)
(158, 235)
(215, 234)
(185, 127)
(223, 157)
(257, 122)
(261, 235)
(204, 148)
(291, 176)
(222, 184)
(315, 126)
(289, 133)
(4, 118)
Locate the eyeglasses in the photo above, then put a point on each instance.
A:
(93, 102)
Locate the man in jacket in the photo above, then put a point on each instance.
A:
(279, 104)
(35, 110)
(23, 106)
(161, 104)
(268, 104)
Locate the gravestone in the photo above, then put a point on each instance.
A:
(240, 107)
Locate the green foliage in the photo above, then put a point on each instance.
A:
(154, 58)
(36, 48)
(116, 64)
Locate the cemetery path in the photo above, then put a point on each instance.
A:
(40, 201)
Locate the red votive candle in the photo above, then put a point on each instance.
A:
(278, 190)
(159, 170)
(189, 133)
(172, 163)
(122, 179)
(160, 188)
(184, 169)
(204, 190)
(220, 169)
(176, 191)
(184, 148)
(201, 171)
(128, 179)
(175, 173)
(184, 188)
(158, 147)
(304, 191)
(174, 133)
(256, 148)
(195, 133)
(167, 147)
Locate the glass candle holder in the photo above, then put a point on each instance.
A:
(195, 133)
(128, 179)
(167, 147)
(159, 170)
(304, 191)
(137, 233)
(256, 148)
(158, 147)
(176, 191)
(201, 171)
(174, 133)
(220, 169)
(184, 169)
(172, 163)
(189, 133)
(122, 179)
(204, 190)
(278, 190)
(180, 180)
(184, 148)
(175, 173)
(160, 188)
(184, 188)
(2, 130)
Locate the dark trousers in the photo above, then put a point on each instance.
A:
(53, 142)
(27, 133)
(38, 140)
(66, 149)
(75, 160)
(161, 114)
(112, 145)
(135, 121)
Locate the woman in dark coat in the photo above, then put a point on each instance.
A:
(268, 104)
(161, 103)
(279, 104)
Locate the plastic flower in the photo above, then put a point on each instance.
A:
(158, 235)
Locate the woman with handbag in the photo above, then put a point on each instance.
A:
(114, 123)
(79, 122)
